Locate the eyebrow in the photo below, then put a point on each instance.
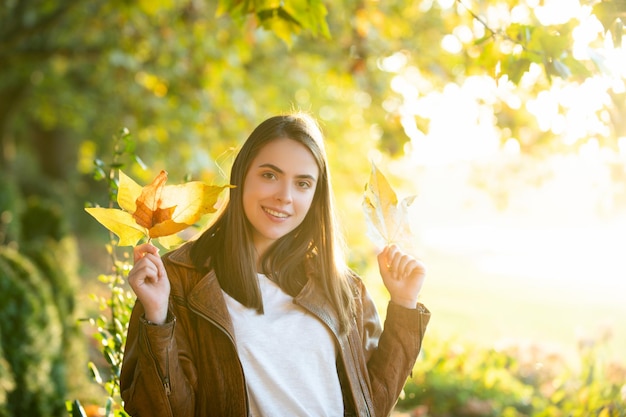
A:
(280, 171)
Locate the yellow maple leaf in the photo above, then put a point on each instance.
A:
(387, 218)
(156, 210)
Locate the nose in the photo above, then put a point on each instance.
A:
(283, 194)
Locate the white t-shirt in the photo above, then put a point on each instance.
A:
(288, 357)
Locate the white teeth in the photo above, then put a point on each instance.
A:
(275, 213)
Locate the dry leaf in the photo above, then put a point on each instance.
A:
(156, 210)
(387, 219)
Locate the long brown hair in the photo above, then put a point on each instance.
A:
(313, 250)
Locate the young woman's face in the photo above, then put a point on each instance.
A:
(278, 190)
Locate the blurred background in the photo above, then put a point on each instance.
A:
(505, 118)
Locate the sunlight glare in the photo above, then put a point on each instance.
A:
(545, 108)
(478, 29)
(517, 218)
(460, 129)
(393, 63)
(591, 149)
(452, 44)
(498, 15)
(392, 105)
(554, 12)
(363, 99)
(506, 93)
(511, 146)
(463, 33)
(587, 32)
(445, 4)
(520, 14)
(376, 131)
(531, 76)
(532, 3)
(401, 85)
(507, 47)
(621, 145)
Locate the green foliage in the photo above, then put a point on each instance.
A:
(42, 219)
(40, 341)
(284, 18)
(7, 383)
(10, 207)
(191, 78)
(515, 381)
(115, 308)
(32, 334)
(612, 14)
(112, 326)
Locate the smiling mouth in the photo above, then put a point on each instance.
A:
(274, 213)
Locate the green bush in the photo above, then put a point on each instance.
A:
(6, 382)
(10, 209)
(41, 347)
(42, 219)
(516, 381)
(32, 335)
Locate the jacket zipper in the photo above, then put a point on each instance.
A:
(164, 379)
(232, 340)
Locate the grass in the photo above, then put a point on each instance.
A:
(487, 308)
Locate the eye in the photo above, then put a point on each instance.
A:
(304, 184)
(269, 175)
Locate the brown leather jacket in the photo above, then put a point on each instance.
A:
(189, 365)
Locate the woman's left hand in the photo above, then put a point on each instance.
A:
(402, 274)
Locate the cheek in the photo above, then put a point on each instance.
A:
(247, 201)
(306, 204)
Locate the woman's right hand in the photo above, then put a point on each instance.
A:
(149, 281)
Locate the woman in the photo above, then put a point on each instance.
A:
(260, 316)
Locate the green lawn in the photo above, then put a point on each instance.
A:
(471, 304)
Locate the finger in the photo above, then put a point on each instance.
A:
(417, 269)
(410, 266)
(392, 257)
(143, 249)
(156, 268)
(383, 259)
(153, 260)
(145, 270)
(156, 261)
(403, 265)
(144, 267)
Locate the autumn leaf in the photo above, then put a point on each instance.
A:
(156, 210)
(387, 219)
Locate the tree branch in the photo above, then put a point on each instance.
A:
(498, 33)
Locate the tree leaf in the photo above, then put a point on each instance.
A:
(156, 210)
(128, 191)
(190, 201)
(170, 241)
(119, 222)
(149, 209)
(387, 219)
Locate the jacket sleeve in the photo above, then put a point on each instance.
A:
(391, 360)
(157, 377)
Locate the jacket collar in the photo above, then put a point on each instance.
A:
(181, 256)
(312, 299)
(207, 300)
(205, 297)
